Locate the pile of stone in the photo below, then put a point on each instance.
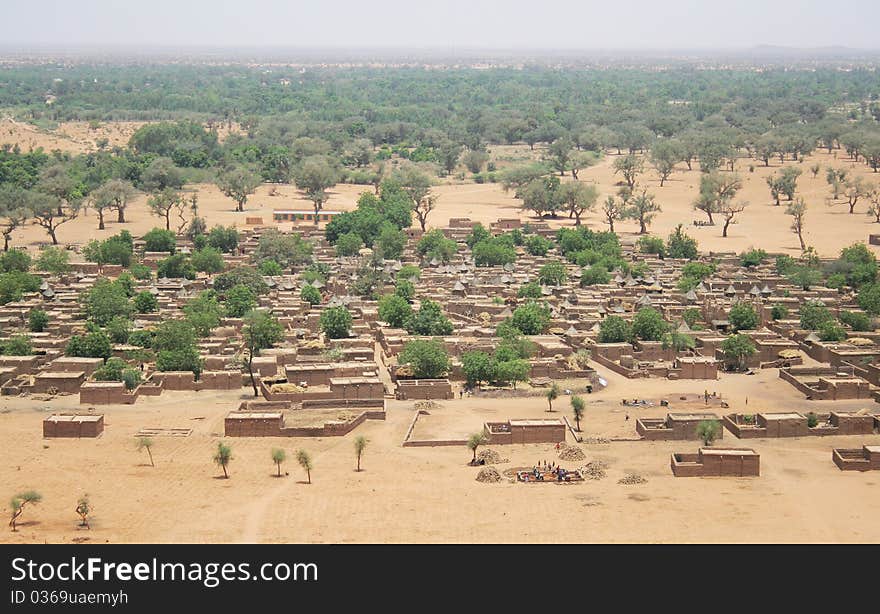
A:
(427, 404)
(596, 440)
(594, 470)
(571, 453)
(491, 457)
(488, 475)
(632, 478)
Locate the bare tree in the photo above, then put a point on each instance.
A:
(729, 211)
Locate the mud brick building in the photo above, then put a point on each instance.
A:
(542, 430)
(717, 462)
(73, 425)
(676, 426)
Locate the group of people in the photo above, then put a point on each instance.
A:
(543, 467)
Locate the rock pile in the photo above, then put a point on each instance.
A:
(632, 478)
(596, 440)
(571, 453)
(594, 470)
(427, 404)
(491, 457)
(488, 475)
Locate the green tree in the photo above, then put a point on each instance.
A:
(37, 320)
(664, 156)
(736, 349)
(708, 431)
(553, 274)
(131, 378)
(118, 329)
(435, 246)
(114, 194)
(15, 260)
(594, 275)
(614, 329)
(261, 330)
(207, 260)
(649, 325)
(814, 315)
(270, 267)
(18, 503)
(223, 238)
(552, 394)
(285, 249)
(314, 177)
(429, 320)
(278, 457)
(305, 461)
(405, 290)
(95, 344)
(742, 316)
(177, 266)
(530, 290)
(477, 367)
(629, 167)
(394, 310)
(53, 260)
(494, 252)
(427, 358)
(478, 233)
(335, 322)
(111, 371)
(474, 442)
(310, 294)
(417, 187)
(360, 444)
(106, 300)
(577, 408)
(17, 345)
(869, 298)
(579, 198)
(163, 203)
(348, 244)
(532, 318)
(643, 208)
(241, 276)
(145, 302)
(391, 242)
(798, 212)
(240, 300)
(222, 457)
(536, 245)
(512, 371)
(83, 509)
(717, 191)
(237, 183)
(680, 245)
(158, 240)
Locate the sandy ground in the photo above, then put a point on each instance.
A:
(429, 494)
(829, 228)
(79, 137)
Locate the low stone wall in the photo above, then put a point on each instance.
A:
(342, 403)
(209, 380)
(271, 424)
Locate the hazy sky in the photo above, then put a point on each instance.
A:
(447, 24)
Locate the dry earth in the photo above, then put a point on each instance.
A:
(428, 494)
